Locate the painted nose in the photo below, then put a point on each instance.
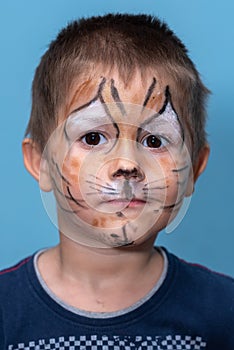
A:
(126, 170)
(130, 173)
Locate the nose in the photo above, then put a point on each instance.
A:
(127, 171)
(125, 162)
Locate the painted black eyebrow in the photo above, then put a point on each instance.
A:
(111, 118)
(98, 96)
(149, 92)
(169, 99)
(161, 111)
(116, 98)
(95, 98)
(100, 88)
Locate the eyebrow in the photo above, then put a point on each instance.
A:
(167, 101)
(96, 97)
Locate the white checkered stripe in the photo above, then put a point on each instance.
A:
(94, 342)
(179, 342)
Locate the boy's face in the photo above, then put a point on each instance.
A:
(118, 162)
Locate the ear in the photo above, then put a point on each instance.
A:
(36, 165)
(198, 168)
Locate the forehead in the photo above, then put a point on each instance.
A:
(144, 102)
(147, 91)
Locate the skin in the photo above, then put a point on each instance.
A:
(101, 183)
(90, 272)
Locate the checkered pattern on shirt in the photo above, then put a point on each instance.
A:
(95, 342)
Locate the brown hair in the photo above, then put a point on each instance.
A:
(125, 41)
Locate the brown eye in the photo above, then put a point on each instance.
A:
(152, 141)
(93, 139)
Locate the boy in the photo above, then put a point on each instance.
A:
(117, 132)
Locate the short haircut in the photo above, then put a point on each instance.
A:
(123, 41)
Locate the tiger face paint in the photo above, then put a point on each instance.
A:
(119, 170)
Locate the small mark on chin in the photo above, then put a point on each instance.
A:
(114, 235)
(120, 214)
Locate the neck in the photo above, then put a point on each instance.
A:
(92, 263)
(101, 279)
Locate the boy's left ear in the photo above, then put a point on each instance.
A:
(36, 165)
(198, 168)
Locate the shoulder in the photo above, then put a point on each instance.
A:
(15, 267)
(201, 274)
(13, 277)
(207, 289)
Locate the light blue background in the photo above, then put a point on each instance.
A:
(206, 235)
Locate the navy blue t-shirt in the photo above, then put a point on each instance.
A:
(192, 309)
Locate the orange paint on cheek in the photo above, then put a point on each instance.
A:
(71, 169)
(75, 163)
(99, 222)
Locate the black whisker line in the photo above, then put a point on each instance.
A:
(171, 206)
(181, 169)
(103, 192)
(155, 188)
(153, 199)
(149, 92)
(99, 185)
(115, 95)
(149, 183)
(98, 178)
(112, 193)
(91, 193)
(95, 189)
(58, 189)
(74, 199)
(60, 174)
(67, 210)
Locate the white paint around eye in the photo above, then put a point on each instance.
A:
(95, 118)
(165, 124)
(82, 121)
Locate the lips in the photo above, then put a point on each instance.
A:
(126, 203)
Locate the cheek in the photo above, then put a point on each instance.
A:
(175, 181)
(71, 170)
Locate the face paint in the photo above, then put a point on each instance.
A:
(119, 171)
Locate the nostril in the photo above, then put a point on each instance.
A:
(128, 174)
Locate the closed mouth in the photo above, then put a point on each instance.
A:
(127, 203)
